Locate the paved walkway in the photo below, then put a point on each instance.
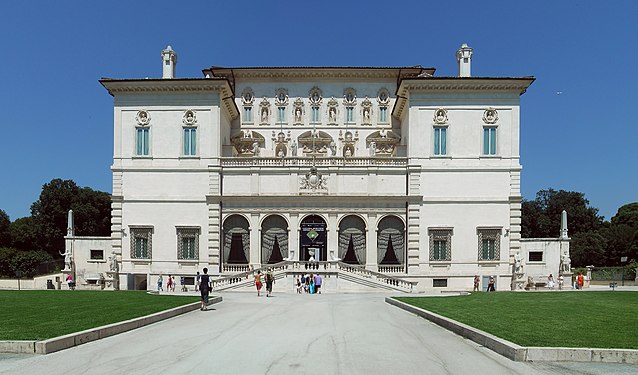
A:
(290, 334)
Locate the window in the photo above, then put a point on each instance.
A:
(141, 142)
(383, 114)
(440, 141)
(439, 283)
(349, 114)
(190, 141)
(97, 254)
(281, 114)
(141, 243)
(489, 141)
(440, 244)
(315, 114)
(489, 244)
(535, 256)
(248, 114)
(188, 243)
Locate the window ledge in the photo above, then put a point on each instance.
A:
(188, 260)
(142, 157)
(189, 157)
(140, 261)
(440, 263)
(441, 157)
(96, 261)
(490, 157)
(489, 263)
(532, 263)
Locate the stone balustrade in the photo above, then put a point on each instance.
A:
(306, 161)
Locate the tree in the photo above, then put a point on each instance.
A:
(5, 232)
(587, 248)
(627, 214)
(91, 212)
(23, 234)
(541, 217)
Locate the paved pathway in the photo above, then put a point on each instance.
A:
(289, 334)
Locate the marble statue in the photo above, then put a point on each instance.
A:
(518, 263)
(333, 148)
(333, 115)
(113, 262)
(256, 148)
(293, 148)
(373, 148)
(297, 114)
(67, 260)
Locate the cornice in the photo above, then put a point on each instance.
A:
(154, 86)
(313, 73)
(440, 84)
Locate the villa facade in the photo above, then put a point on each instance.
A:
(391, 171)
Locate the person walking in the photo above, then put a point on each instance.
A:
(204, 289)
(169, 283)
(550, 281)
(160, 281)
(258, 282)
(580, 280)
(477, 282)
(561, 281)
(318, 282)
(197, 281)
(270, 279)
(490, 285)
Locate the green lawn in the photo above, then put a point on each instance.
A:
(42, 314)
(565, 319)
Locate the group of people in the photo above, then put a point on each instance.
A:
(170, 283)
(491, 284)
(309, 283)
(269, 280)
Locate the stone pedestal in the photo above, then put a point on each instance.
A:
(519, 281)
(112, 280)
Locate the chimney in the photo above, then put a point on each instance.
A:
(464, 58)
(169, 60)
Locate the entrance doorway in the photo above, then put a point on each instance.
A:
(313, 239)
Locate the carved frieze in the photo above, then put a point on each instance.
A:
(313, 182)
(348, 141)
(349, 97)
(314, 143)
(248, 143)
(383, 97)
(383, 143)
(280, 142)
(315, 96)
(281, 97)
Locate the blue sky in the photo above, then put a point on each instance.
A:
(57, 119)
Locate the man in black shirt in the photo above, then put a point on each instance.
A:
(204, 288)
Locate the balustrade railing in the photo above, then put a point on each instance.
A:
(307, 161)
(245, 278)
(391, 269)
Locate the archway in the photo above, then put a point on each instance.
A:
(274, 239)
(313, 239)
(352, 240)
(236, 237)
(391, 241)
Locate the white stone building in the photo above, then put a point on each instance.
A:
(371, 175)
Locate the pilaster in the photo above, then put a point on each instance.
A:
(214, 233)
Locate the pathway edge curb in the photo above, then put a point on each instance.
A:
(519, 353)
(78, 338)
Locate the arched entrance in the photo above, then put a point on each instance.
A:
(391, 241)
(274, 239)
(352, 240)
(236, 237)
(313, 239)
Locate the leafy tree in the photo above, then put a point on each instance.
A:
(23, 234)
(627, 214)
(541, 217)
(587, 248)
(621, 240)
(91, 213)
(29, 262)
(5, 233)
(6, 254)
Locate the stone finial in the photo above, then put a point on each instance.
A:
(169, 61)
(464, 59)
(70, 231)
(563, 225)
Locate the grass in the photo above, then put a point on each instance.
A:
(566, 319)
(43, 314)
